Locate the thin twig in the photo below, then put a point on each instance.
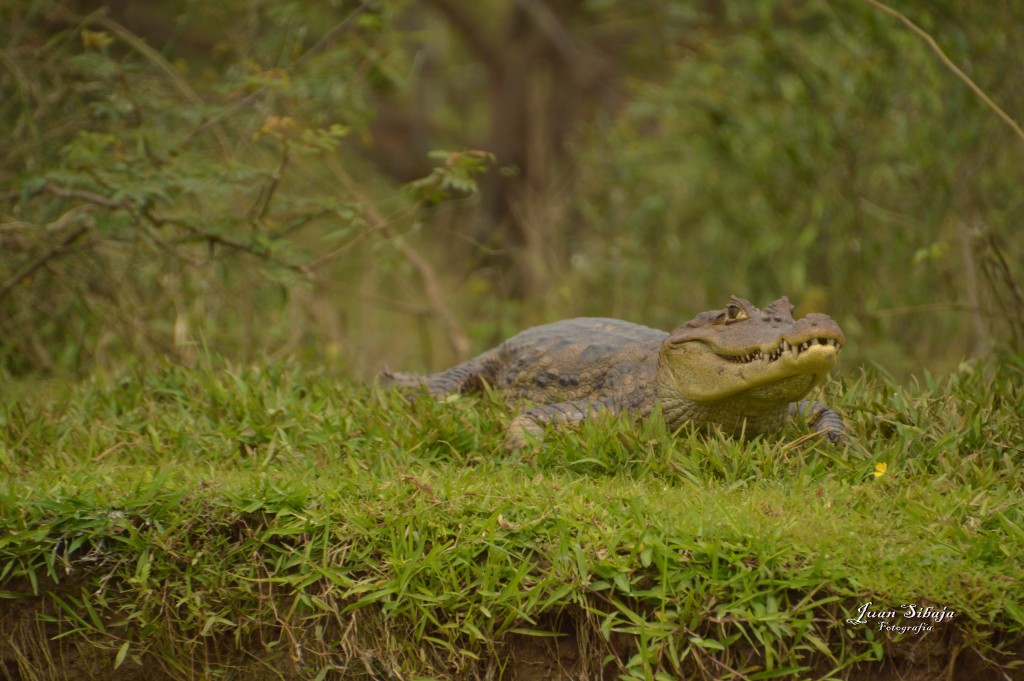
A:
(139, 45)
(389, 303)
(27, 271)
(157, 220)
(90, 197)
(262, 205)
(328, 38)
(196, 234)
(1006, 271)
(997, 270)
(154, 57)
(349, 245)
(456, 336)
(930, 41)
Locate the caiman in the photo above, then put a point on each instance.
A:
(740, 369)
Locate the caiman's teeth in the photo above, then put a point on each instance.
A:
(783, 347)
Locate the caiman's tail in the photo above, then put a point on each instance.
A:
(472, 376)
(400, 379)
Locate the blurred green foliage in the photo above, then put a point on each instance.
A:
(830, 156)
(255, 178)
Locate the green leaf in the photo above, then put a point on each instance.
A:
(122, 653)
(622, 583)
(708, 643)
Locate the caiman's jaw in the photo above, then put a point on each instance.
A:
(764, 355)
(783, 350)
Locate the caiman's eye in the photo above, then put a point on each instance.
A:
(735, 313)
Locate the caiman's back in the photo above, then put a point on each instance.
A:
(583, 359)
(579, 359)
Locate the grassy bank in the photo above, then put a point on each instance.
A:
(226, 522)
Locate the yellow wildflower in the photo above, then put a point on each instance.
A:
(880, 469)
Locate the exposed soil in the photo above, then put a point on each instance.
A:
(575, 652)
(545, 659)
(531, 659)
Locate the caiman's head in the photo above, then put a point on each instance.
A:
(765, 356)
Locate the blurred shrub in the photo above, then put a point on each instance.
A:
(197, 177)
(158, 203)
(826, 153)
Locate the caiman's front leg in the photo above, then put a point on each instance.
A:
(534, 420)
(820, 419)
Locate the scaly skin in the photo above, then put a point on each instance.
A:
(740, 369)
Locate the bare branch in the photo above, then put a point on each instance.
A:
(432, 289)
(83, 195)
(139, 45)
(350, 244)
(456, 336)
(331, 36)
(948, 63)
(328, 38)
(195, 234)
(262, 204)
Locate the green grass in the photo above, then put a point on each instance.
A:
(267, 522)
